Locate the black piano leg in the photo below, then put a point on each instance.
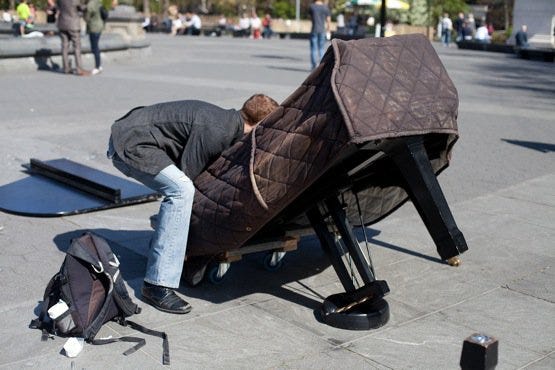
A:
(359, 308)
(409, 155)
(328, 243)
(363, 265)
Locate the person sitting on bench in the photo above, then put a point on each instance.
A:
(192, 24)
(166, 146)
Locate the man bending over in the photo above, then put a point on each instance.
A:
(166, 146)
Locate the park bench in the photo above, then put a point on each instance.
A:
(475, 45)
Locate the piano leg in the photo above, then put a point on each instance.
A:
(359, 308)
(330, 247)
(409, 155)
(363, 265)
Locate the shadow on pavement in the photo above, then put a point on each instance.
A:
(272, 56)
(534, 145)
(245, 277)
(535, 77)
(44, 62)
(291, 69)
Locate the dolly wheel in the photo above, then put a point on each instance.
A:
(454, 261)
(273, 261)
(217, 272)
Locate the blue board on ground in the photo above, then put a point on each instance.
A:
(61, 187)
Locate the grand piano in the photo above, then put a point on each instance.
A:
(370, 128)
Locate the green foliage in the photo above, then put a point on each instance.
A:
(154, 6)
(452, 7)
(396, 15)
(499, 37)
(509, 31)
(339, 6)
(41, 4)
(284, 9)
(418, 12)
(226, 8)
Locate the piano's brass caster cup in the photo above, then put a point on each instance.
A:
(454, 261)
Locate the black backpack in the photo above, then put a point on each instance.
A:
(103, 13)
(89, 292)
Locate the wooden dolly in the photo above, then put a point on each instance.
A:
(272, 261)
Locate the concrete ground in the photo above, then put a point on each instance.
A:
(501, 189)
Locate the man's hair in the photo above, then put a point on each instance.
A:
(257, 107)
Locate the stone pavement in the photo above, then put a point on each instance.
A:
(501, 189)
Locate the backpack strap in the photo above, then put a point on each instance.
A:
(47, 326)
(140, 342)
(111, 268)
(159, 334)
(122, 299)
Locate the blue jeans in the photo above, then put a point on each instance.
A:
(169, 243)
(94, 38)
(317, 43)
(446, 37)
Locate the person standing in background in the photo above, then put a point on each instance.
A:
(471, 23)
(446, 28)
(256, 25)
(69, 24)
(51, 11)
(321, 19)
(95, 25)
(521, 37)
(459, 26)
(340, 23)
(267, 26)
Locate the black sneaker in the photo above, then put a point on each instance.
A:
(164, 299)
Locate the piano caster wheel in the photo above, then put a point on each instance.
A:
(216, 272)
(273, 261)
(454, 261)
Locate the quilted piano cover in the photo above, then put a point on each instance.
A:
(363, 90)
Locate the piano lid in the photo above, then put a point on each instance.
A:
(390, 87)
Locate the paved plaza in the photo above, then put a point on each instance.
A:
(500, 187)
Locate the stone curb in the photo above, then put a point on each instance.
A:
(18, 47)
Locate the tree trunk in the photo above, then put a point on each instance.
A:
(146, 8)
(428, 20)
(166, 6)
(12, 4)
(506, 7)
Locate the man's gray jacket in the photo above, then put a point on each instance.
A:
(189, 133)
(68, 16)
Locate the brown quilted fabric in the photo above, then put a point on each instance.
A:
(362, 90)
(395, 86)
(294, 146)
